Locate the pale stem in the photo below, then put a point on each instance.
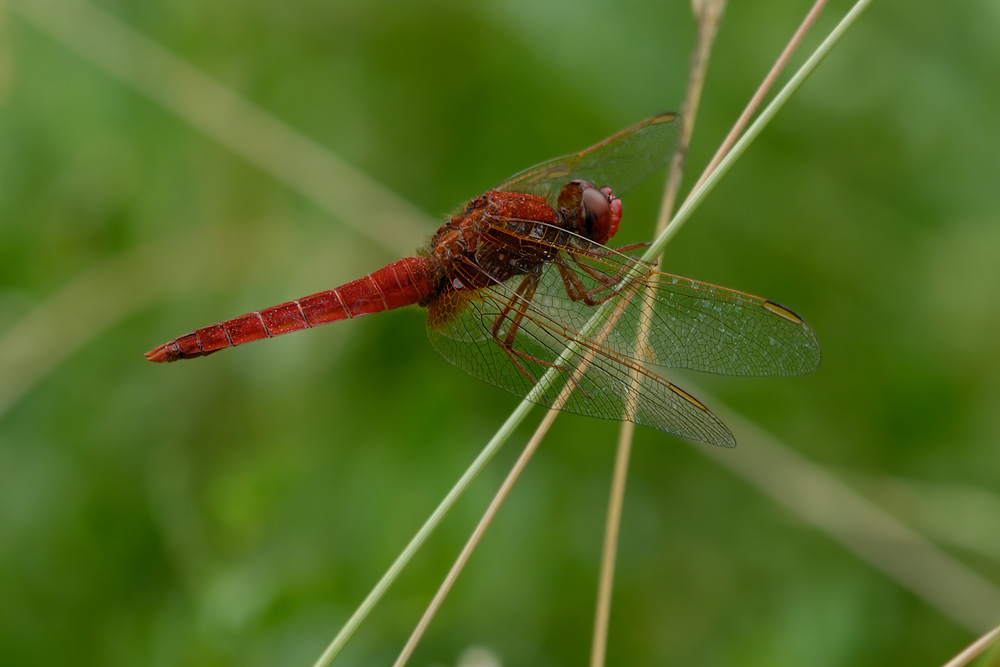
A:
(711, 178)
(834, 508)
(601, 313)
(461, 486)
(974, 649)
(758, 97)
(510, 480)
(225, 116)
(708, 15)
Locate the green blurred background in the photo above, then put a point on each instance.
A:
(236, 509)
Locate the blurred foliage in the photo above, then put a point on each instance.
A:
(236, 509)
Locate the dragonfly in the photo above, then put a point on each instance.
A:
(511, 281)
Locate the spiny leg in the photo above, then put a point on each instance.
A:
(519, 303)
(577, 291)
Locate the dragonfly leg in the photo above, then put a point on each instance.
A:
(518, 303)
(634, 246)
(577, 291)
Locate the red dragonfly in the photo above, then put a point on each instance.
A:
(512, 279)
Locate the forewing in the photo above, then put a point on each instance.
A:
(459, 326)
(718, 330)
(701, 327)
(692, 325)
(621, 161)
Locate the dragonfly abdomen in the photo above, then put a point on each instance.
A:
(402, 283)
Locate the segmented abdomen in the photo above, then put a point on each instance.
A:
(402, 283)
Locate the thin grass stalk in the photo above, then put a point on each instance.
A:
(602, 312)
(974, 649)
(758, 97)
(110, 291)
(708, 183)
(708, 14)
(500, 437)
(509, 482)
(875, 536)
(460, 487)
(228, 118)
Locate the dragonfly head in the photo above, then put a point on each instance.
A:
(589, 211)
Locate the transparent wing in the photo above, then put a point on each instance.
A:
(692, 325)
(703, 327)
(513, 332)
(621, 161)
(459, 326)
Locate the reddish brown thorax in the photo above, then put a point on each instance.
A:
(478, 236)
(505, 234)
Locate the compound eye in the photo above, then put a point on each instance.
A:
(600, 221)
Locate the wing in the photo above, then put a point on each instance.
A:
(621, 161)
(459, 326)
(692, 325)
(467, 326)
(701, 327)
(512, 332)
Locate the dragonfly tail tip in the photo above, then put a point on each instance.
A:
(162, 354)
